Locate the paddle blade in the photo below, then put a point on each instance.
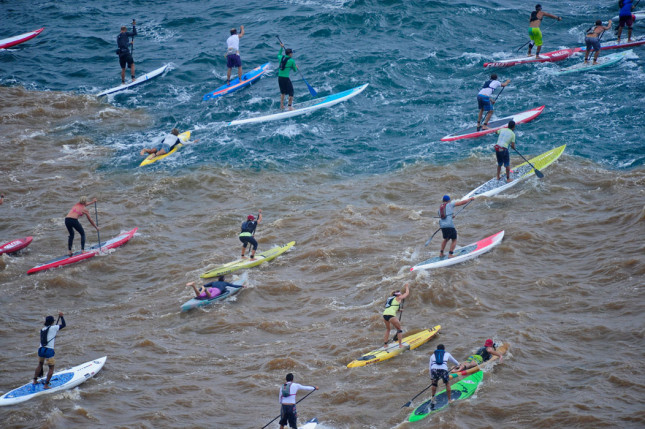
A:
(407, 404)
(312, 91)
(539, 174)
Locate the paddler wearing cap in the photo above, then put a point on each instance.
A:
(392, 306)
(248, 230)
(233, 53)
(482, 355)
(285, 64)
(448, 230)
(46, 350)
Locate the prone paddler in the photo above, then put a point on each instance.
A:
(169, 142)
(535, 34)
(483, 354)
(123, 49)
(392, 307)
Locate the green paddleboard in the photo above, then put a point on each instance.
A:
(460, 390)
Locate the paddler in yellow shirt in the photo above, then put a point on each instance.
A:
(506, 138)
(392, 306)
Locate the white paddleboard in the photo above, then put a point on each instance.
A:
(61, 380)
(141, 79)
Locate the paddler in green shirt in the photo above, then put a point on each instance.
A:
(287, 64)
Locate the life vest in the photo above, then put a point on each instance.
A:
(43, 337)
(534, 16)
(392, 302)
(286, 389)
(248, 226)
(438, 356)
(483, 353)
(442, 210)
(122, 40)
(283, 62)
(487, 84)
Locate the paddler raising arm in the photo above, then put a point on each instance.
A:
(286, 64)
(72, 223)
(392, 306)
(448, 230)
(288, 414)
(125, 56)
(439, 369)
(247, 234)
(233, 53)
(484, 102)
(506, 138)
(535, 34)
(592, 40)
(46, 349)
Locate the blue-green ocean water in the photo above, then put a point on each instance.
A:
(422, 59)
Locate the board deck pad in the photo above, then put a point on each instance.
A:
(28, 389)
(463, 389)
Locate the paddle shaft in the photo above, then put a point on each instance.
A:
(296, 404)
(96, 215)
(256, 226)
(407, 404)
(538, 173)
(455, 215)
(132, 44)
(312, 91)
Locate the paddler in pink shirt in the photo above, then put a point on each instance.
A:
(72, 223)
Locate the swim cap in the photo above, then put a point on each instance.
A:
(511, 124)
(49, 320)
(250, 217)
(488, 343)
(446, 197)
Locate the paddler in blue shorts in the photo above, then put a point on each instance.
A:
(233, 53)
(285, 64)
(593, 40)
(448, 230)
(506, 138)
(247, 234)
(485, 103)
(535, 34)
(46, 350)
(482, 355)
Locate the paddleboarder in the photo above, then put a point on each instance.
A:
(482, 355)
(535, 34)
(592, 40)
(506, 138)
(392, 306)
(439, 370)
(248, 232)
(288, 413)
(46, 350)
(72, 223)
(233, 53)
(286, 64)
(210, 290)
(625, 18)
(484, 102)
(448, 230)
(1, 199)
(168, 144)
(123, 43)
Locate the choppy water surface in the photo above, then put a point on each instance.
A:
(356, 186)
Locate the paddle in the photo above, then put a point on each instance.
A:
(296, 404)
(96, 215)
(462, 209)
(407, 404)
(538, 173)
(312, 91)
(134, 22)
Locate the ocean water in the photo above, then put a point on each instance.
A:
(356, 186)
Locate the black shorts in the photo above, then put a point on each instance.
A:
(249, 240)
(437, 374)
(286, 87)
(288, 414)
(625, 21)
(126, 59)
(387, 317)
(449, 233)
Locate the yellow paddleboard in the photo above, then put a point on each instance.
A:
(265, 256)
(410, 342)
(184, 137)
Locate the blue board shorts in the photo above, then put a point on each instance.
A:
(503, 158)
(484, 103)
(233, 60)
(593, 43)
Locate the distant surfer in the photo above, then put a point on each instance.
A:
(125, 56)
(210, 290)
(484, 102)
(285, 64)
(482, 355)
(506, 138)
(248, 232)
(1, 199)
(46, 350)
(71, 222)
(535, 34)
(448, 230)
(392, 306)
(625, 18)
(169, 142)
(288, 413)
(593, 40)
(439, 370)
(233, 53)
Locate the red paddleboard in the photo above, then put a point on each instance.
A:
(560, 55)
(117, 241)
(15, 40)
(15, 245)
(613, 44)
(471, 133)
